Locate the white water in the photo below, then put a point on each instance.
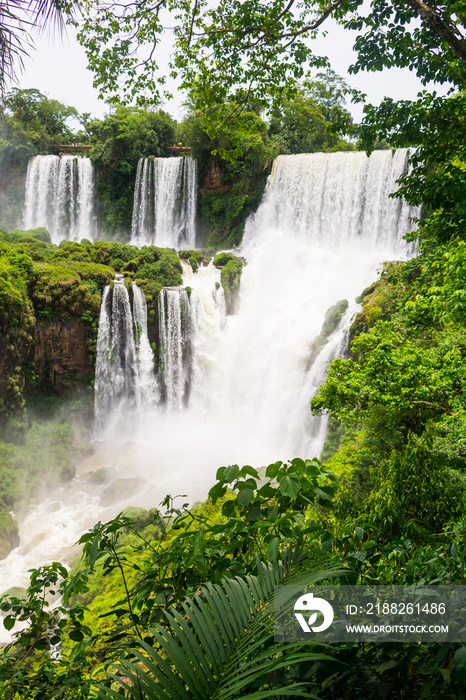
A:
(164, 210)
(60, 196)
(147, 387)
(125, 382)
(174, 335)
(323, 230)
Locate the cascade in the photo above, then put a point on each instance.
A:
(125, 373)
(325, 225)
(60, 196)
(147, 388)
(124, 376)
(164, 209)
(175, 322)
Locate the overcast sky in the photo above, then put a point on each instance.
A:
(58, 68)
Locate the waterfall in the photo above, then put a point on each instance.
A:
(337, 198)
(124, 376)
(147, 386)
(207, 327)
(175, 322)
(321, 233)
(236, 389)
(116, 368)
(60, 196)
(164, 209)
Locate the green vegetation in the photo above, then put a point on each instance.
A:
(401, 399)
(221, 259)
(198, 255)
(145, 581)
(31, 123)
(303, 123)
(230, 278)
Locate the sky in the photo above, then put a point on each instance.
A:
(57, 67)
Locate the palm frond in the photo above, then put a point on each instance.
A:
(17, 19)
(13, 40)
(220, 645)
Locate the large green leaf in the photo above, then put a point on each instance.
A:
(221, 644)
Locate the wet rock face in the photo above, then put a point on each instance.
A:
(61, 357)
(213, 182)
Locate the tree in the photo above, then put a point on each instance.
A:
(39, 115)
(329, 92)
(30, 124)
(310, 120)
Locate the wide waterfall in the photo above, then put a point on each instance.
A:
(164, 209)
(338, 198)
(236, 389)
(60, 196)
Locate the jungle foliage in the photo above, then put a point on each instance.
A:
(119, 141)
(177, 603)
(30, 123)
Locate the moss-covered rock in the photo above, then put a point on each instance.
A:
(194, 264)
(50, 299)
(221, 259)
(17, 321)
(198, 255)
(100, 476)
(9, 534)
(332, 318)
(382, 298)
(230, 278)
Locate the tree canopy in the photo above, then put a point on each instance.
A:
(263, 48)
